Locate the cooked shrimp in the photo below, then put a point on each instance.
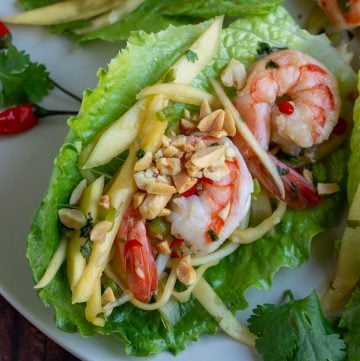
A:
(290, 99)
(136, 258)
(343, 14)
(205, 219)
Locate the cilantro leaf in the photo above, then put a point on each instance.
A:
(351, 322)
(296, 331)
(21, 80)
(191, 56)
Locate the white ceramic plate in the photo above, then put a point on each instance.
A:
(26, 162)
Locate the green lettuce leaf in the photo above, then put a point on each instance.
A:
(156, 15)
(144, 60)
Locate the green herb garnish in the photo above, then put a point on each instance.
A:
(85, 231)
(140, 154)
(191, 56)
(86, 248)
(213, 235)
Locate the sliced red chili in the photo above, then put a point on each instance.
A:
(205, 180)
(174, 254)
(286, 107)
(190, 191)
(340, 127)
(176, 242)
(5, 35)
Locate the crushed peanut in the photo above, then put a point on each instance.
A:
(108, 296)
(212, 122)
(144, 162)
(104, 201)
(168, 166)
(204, 109)
(234, 75)
(163, 247)
(72, 218)
(100, 230)
(229, 124)
(206, 157)
(165, 212)
(153, 205)
(185, 272)
(183, 182)
(138, 199)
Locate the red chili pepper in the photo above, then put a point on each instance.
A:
(23, 117)
(17, 119)
(286, 107)
(190, 191)
(205, 180)
(5, 35)
(176, 242)
(340, 127)
(174, 255)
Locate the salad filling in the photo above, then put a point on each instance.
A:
(194, 172)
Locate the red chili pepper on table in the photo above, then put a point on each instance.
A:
(5, 35)
(23, 117)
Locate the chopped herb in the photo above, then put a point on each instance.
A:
(140, 154)
(265, 49)
(85, 231)
(213, 235)
(169, 76)
(281, 170)
(214, 144)
(353, 223)
(350, 34)
(271, 65)
(86, 248)
(191, 56)
(257, 188)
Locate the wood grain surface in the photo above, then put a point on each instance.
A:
(21, 341)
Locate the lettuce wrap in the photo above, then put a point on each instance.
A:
(146, 58)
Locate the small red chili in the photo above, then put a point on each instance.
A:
(176, 242)
(286, 107)
(340, 127)
(174, 255)
(190, 191)
(5, 35)
(205, 180)
(17, 119)
(23, 117)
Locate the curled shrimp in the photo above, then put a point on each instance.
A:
(205, 219)
(343, 14)
(136, 258)
(292, 100)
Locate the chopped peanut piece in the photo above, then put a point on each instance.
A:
(168, 166)
(138, 199)
(108, 296)
(212, 122)
(206, 157)
(327, 188)
(185, 272)
(104, 201)
(165, 212)
(193, 170)
(163, 247)
(99, 231)
(183, 182)
(170, 151)
(165, 141)
(144, 162)
(216, 173)
(234, 75)
(160, 188)
(179, 141)
(72, 218)
(219, 133)
(229, 124)
(153, 205)
(204, 109)
(187, 125)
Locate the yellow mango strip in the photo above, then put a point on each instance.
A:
(120, 193)
(117, 135)
(111, 17)
(94, 307)
(56, 261)
(62, 12)
(348, 269)
(180, 93)
(89, 204)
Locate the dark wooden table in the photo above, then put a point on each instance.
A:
(21, 341)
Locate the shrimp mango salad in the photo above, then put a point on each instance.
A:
(204, 160)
